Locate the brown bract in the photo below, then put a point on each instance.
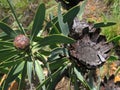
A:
(21, 41)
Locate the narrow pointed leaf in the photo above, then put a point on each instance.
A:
(2, 34)
(29, 70)
(54, 29)
(6, 46)
(7, 59)
(55, 39)
(76, 86)
(4, 70)
(7, 55)
(10, 63)
(19, 67)
(71, 14)
(39, 72)
(53, 82)
(15, 16)
(80, 77)
(58, 63)
(4, 27)
(102, 24)
(5, 20)
(113, 58)
(63, 26)
(5, 38)
(13, 74)
(67, 17)
(42, 58)
(23, 76)
(114, 39)
(56, 52)
(6, 49)
(81, 11)
(38, 21)
(46, 81)
(6, 43)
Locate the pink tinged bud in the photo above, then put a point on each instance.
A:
(21, 42)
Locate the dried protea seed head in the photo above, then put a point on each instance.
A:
(21, 41)
(90, 49)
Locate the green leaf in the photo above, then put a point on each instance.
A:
(11, 33)
(39, 72)
(82, 7)
(4, 70)
(54, 29)
(19, 67)
(46, 81)
(63, 26)
(15, 16)
(38, 21)
(54, 80)
(2, 34)
(67, 17)
(55, 39)
(51, 22)
(4, 37)
(10, 63)
(57, 52)
(6, 49)
(80, 77)
(113, 58)
(29, 70)
(7, 55)
(55, 64)
(42, 58)
(71, 14)
(23, 76)
(13, 74)
(114, 39)
(102, 24)
(6, 44)
(5, 19)
(75, 82)
(8, 58)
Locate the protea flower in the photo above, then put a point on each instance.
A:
(21, 41)
(91, 48)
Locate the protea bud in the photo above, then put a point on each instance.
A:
(21, 41)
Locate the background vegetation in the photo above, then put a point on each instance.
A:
(47, 61)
